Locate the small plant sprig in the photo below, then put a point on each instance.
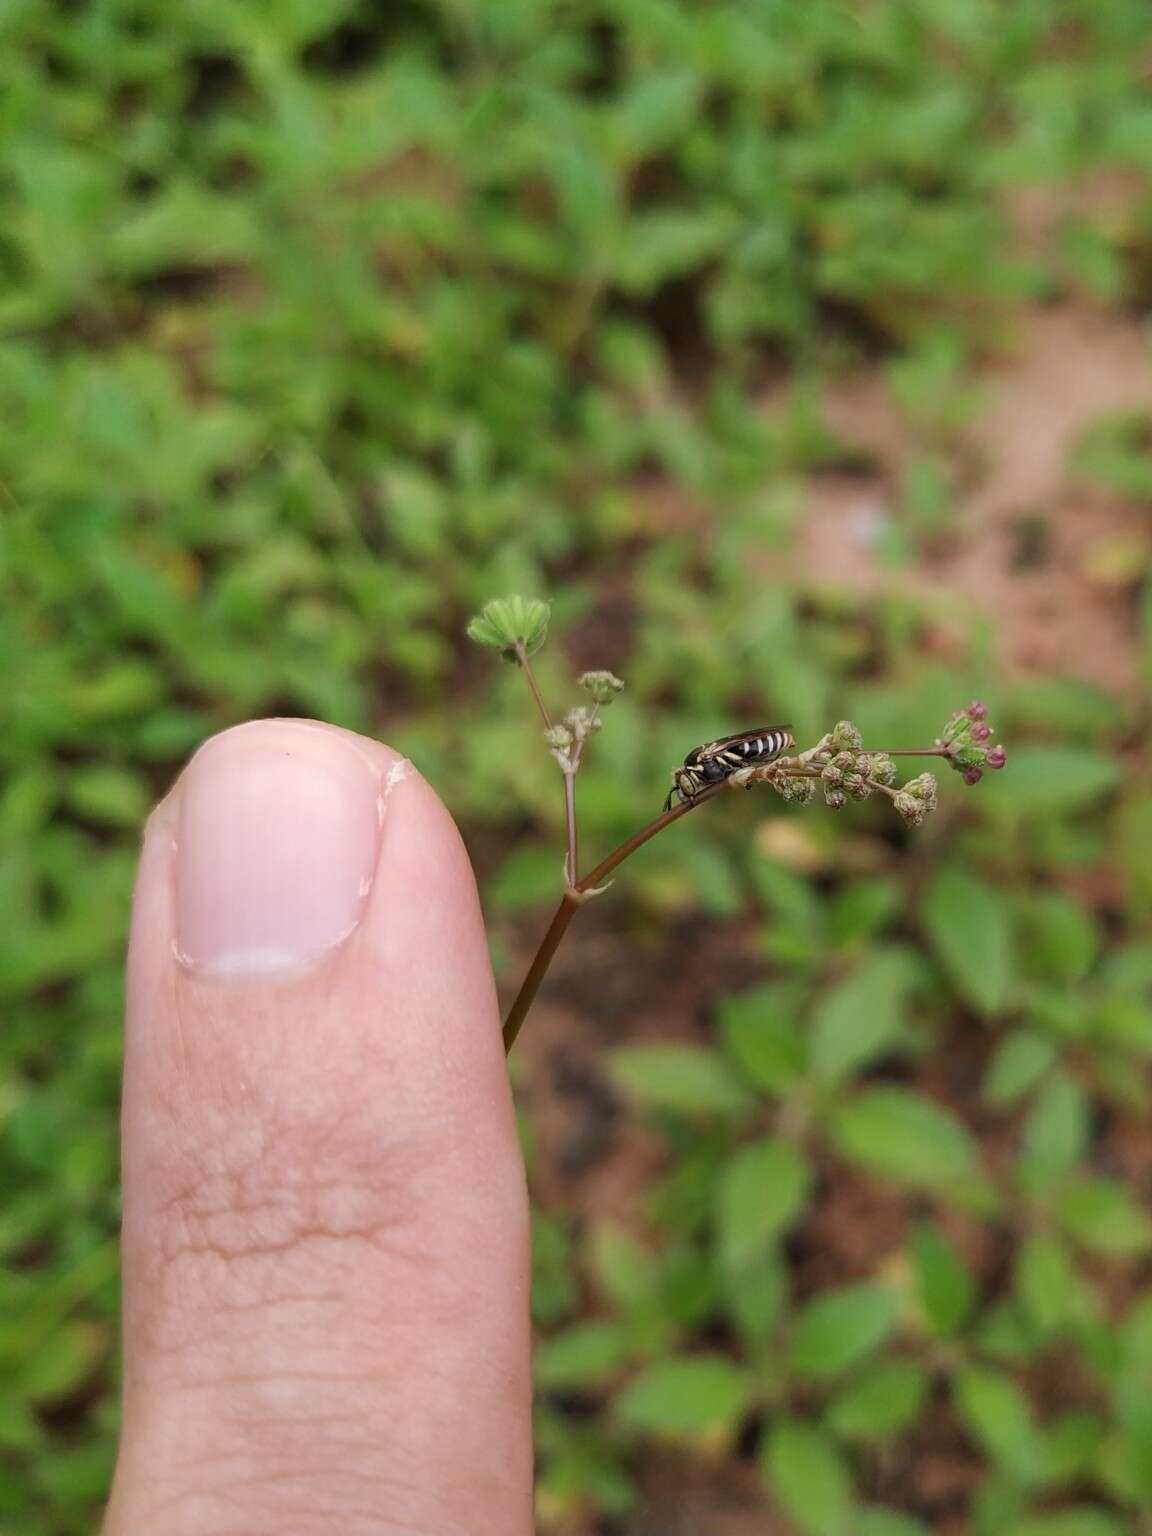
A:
(839, 765)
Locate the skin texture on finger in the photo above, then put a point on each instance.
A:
(325, 1220)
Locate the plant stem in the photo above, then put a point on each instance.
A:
(522, 658)
(574, 898)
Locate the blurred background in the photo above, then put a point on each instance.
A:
(799, 351)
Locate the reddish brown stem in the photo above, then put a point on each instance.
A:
(573, 899)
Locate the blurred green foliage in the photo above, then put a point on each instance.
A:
(322, 322)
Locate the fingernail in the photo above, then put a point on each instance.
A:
(277, 838)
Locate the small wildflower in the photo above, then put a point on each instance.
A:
(603, 686)
(835, 798)
(559, 738)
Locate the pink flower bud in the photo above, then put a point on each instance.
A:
(973, 775)
(997, 757)
(976, 710)
(981, 732)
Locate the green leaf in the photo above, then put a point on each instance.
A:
(886, 1522)
(1062, 935)
(968, 925)
(880, 1402)
(694, 1393)
(838, 1328)
(947, 1289)
(1103, 1216)
(761, 1030)
(895, 1132)
(861, 1016)
(1021, 1060)
(625, 1271)
(1055, 1133)
(808, 1477)
(999, 1417)
(756, 1296)
(1047, 1283)
(1048, 781)
(763, 1189)
(1070, 1522)
(684, 1079)
(581, 1356)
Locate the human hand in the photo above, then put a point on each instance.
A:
(325, 1222)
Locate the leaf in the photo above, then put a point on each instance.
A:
(895, 1132)
(624, 1270)
(1047, 1283)
(880, 1402)
(1021, 1060)
(761, 1030)
(1069, 1522)
(756, 1296)
(680, 1396)
(1103, 1216)
(886, 1522)
(947, 1289)
(808, 1477)
(581, 1356)
(861, 1016)
(967, 923)
(999, 1417)
(1055, 1133)
(1047, 781)
(683, 1079)
(838, 1328)
(763, 1189)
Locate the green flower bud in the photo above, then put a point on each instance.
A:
(923, 789)
(797, 791)
(832, 774)
(559, 738)
(580, 722)
(911, 809)
(507, 623)
(603, 686)
(834, 798)
(858, 786)
(846, 737)
(883, 769)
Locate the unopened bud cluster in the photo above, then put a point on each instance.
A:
(965, 744)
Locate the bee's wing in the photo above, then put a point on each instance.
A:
(714, 748)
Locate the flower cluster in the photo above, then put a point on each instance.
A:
(964, 744)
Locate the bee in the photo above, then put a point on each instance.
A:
(717, 760)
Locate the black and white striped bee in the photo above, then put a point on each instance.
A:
(717, 760)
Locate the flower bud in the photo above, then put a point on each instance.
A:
(796, 790)
(997, 757)
(603, 686)
(912, 810)
(981, 732)
(831, 774)
(834, 798)
(973, 775)
(559, 738)
(845, 737)
(508, 623)
(883, 769)
(976, 710)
